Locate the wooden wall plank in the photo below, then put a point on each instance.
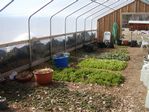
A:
(131, 7)
(147, 8)
(141, 7)
(106, 21)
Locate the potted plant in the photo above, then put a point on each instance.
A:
(43, 76)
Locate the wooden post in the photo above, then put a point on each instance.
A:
(144, 7)
(98, 29)
(135, 7)
(120, 29)
(127, 9)
(109, 21)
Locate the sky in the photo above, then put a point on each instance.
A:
(13, 19)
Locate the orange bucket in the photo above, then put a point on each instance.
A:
(43, 76)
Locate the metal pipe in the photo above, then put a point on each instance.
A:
(72, 14)
(103, 5)
(77, 26)
(106, 11)
(51, 22)
(106, 6)
(6, 5)
(29, 30)
(86, 13)
(85, 18)
(97, 12)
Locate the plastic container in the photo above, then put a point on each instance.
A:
(147, 100)
(133, 43)
(61, 61)
(125, 42)
(144, 75)
(66, 54)
(43, 76)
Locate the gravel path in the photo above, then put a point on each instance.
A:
(133, 91)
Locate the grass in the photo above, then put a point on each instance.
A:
(86, 75)
(103, 64)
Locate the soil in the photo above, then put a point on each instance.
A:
(130, 96)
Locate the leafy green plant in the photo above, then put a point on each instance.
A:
(120, 54)
(87, 75)
(115, 65)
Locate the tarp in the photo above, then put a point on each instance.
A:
(115, 32)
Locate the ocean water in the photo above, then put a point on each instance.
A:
(16, 28)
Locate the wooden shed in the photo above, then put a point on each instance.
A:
(105, 23)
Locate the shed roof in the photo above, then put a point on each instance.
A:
(138, 22)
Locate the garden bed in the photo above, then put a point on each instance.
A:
(86, 75)
(86, 95)
(56, 98)
(114, 65)
(119, 53)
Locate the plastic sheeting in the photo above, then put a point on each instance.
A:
(145, 79)
(13, 19)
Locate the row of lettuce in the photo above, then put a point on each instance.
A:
(95, 71)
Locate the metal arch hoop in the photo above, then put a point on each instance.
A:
(99, 4)
(90, 10)
(104, 12)
(94, 8)
(96, 13)
(106, 6)
(6, 5)
(51, 22)
(84, 14)
(72, 14)
(29, 30)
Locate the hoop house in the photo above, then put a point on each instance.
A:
(31, 30)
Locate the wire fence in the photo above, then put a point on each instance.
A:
(15, 56)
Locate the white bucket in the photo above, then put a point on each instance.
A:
(147, 100)
(145, 75)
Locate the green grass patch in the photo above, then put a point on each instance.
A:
(86, 75)
(114, 65)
